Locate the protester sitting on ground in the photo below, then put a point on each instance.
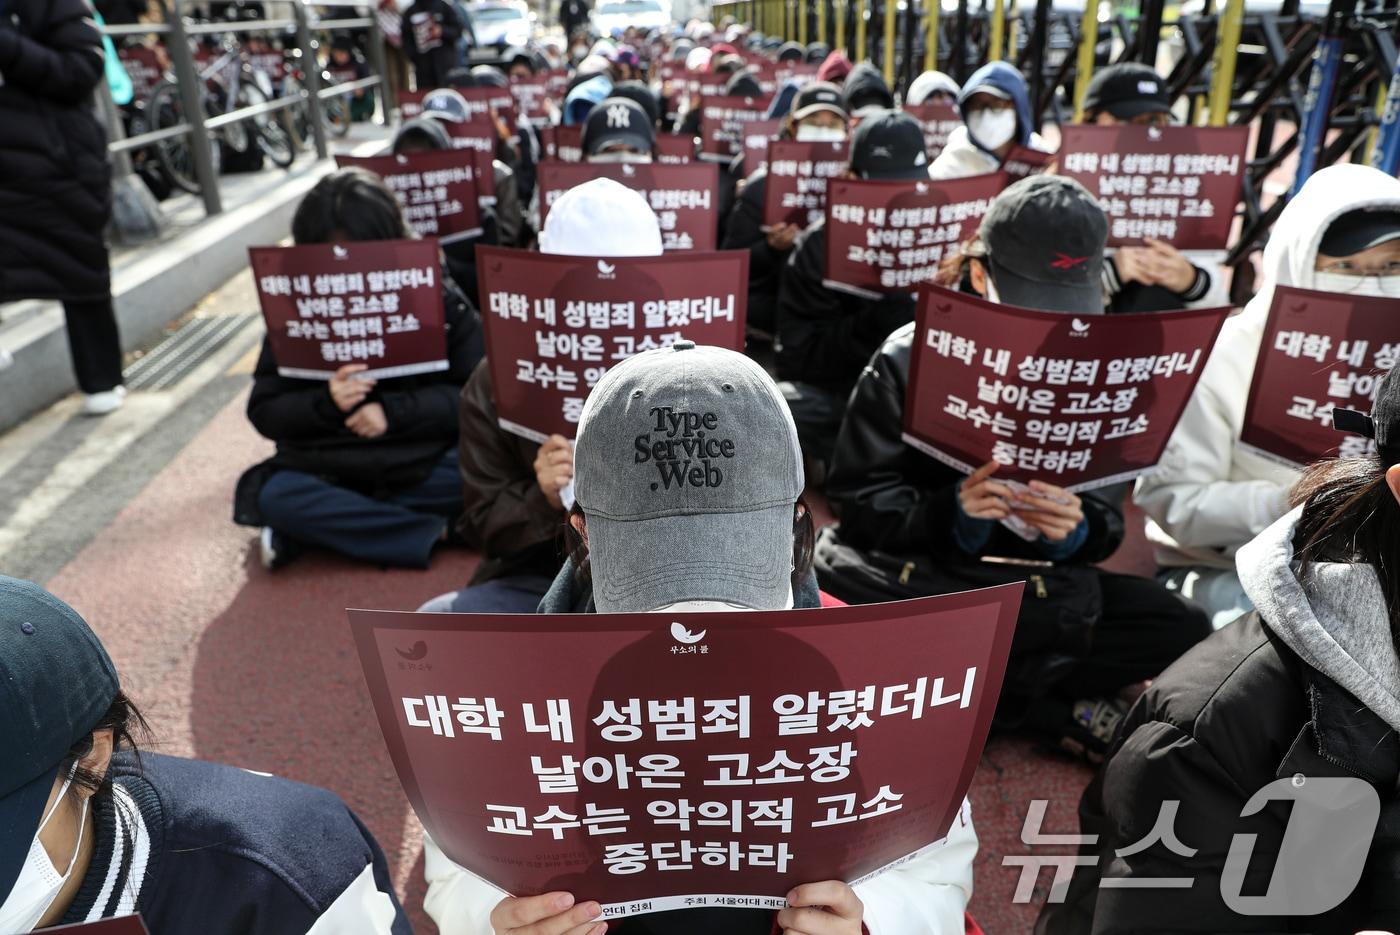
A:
(1304, 688)
(932, 87)
(618, 130)
(512, 488)
(1211, 494)
(825, 337)
(866, 92)
(448, 107)
(996, 111)
(746, 547)
(1155, 277)
(366, 468)
(91, 829)
(911, 525)
(818, 114)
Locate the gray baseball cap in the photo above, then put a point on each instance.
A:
(687, 468)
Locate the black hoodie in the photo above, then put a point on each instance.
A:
(866, 86)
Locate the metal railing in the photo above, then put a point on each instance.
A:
(178, 29)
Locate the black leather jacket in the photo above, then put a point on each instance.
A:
(896, 499)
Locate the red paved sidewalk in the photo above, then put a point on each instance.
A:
(236, 665)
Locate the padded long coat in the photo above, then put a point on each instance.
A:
(55, 180)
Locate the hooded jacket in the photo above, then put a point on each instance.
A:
(55, 184)
(926, 896)
(865, 81)
(1307, 686)
(1210, 494)
(929, 83)
(964, 156)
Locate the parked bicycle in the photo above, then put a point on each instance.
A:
(227, 83)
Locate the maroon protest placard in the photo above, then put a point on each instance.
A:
(411, 104)
(564, 144)
(800, 72)
(126, 925)
(684, 197)
(489, 102)
(479, 137)
(1178, 184)
(531, 96)
(884, 237)
(674, 149)
(143, 67)
(1319, 350)
(1023, 161)
(758, 136)
(939, 120)
(270, 62)
(554, 324)
(371, 302)
(436, 189)
(795, 190)
(664, 761)
(722, 124)
(1076, 401)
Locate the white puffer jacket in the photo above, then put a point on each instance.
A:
(1211, 495)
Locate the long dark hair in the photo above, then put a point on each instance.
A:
(804, 543)
(349, 204)
(1350, 515)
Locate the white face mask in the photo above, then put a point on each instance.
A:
(634, 158)
(1384, 287)
(39, 882)
(992, 128)
(807, 133)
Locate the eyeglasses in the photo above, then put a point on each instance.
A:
(1350, 276)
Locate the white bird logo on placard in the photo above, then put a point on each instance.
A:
(1079, 325)
(683, 635)
(340, 252)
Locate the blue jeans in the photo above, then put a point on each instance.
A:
(399, 530)
(515, 594)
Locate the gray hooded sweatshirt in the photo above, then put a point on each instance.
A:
(1336, 620)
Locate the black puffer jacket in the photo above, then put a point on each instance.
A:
(55, 182)
(894, 498)
(826, 336)
(744, 231)
(1234, 714)
(300, 416)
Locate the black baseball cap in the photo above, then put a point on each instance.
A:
(1127, 90)
(889, 145)
(1383, 424)
(1043, 239)
(618, 120)
(1359, 230)
(56, 682)
(817, 96)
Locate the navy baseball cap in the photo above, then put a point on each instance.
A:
(56, 682)
(1043, 239)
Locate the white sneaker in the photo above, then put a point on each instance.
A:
(99, 404)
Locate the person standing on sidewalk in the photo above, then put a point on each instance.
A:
(56, 184)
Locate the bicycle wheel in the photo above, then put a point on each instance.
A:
(164, 110)
(272, 132)
(336, 113)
